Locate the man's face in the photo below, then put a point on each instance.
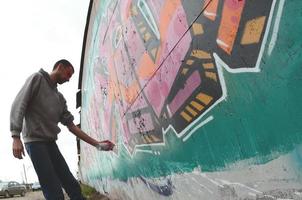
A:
(65, 74)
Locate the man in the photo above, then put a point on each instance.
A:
(36, 112)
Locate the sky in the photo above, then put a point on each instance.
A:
(35, 34)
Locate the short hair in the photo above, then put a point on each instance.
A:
(64, 62)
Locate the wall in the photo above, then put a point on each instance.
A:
(201, 97)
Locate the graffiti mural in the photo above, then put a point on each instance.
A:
(163, 80)
(167, 76)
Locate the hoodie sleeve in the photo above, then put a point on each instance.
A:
(21, 103)
(66, 116)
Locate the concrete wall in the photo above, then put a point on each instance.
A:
(202, 98)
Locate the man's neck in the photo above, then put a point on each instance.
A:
(53, 77)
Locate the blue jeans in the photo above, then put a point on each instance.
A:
(53, 172)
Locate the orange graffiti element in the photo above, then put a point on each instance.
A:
(128, 12)
(131, 92)
(231, 16)
(113, 90)
(167, 11)
(211, 10)
(147, 67)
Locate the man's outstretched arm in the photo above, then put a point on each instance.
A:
(105, 145)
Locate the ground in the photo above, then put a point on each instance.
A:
(37, 195)
(28, 196)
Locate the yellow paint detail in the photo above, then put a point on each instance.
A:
(208, 65)
(206, 99)
(200, 54)
(146, 137)
(187, 117)
(184, 71)
(144, 140)
(253, 30)
(154, 138)
(147, 36)
(211, 75)
(193, 112)
(196, 105)
(140, 24)
(198, 29)
(143, 29)
(190, 62)
(153, 52)
(134, 11)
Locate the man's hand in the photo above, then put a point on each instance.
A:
(105, 145)
(18, 149)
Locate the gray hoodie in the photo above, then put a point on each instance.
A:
(37, 110)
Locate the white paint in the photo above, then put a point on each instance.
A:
(207, 120)
(274, 36)
(118, 32)
(169, 111)
(211, 180)
(222, 64)
(203, 186)
(222, 43)
(252, 194)
(150, 21)
(210, 14)
(298, 193)
(284, 199)
(147, 151)
(225, 182)
(266, 34)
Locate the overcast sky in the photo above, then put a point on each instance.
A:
(35, 34)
